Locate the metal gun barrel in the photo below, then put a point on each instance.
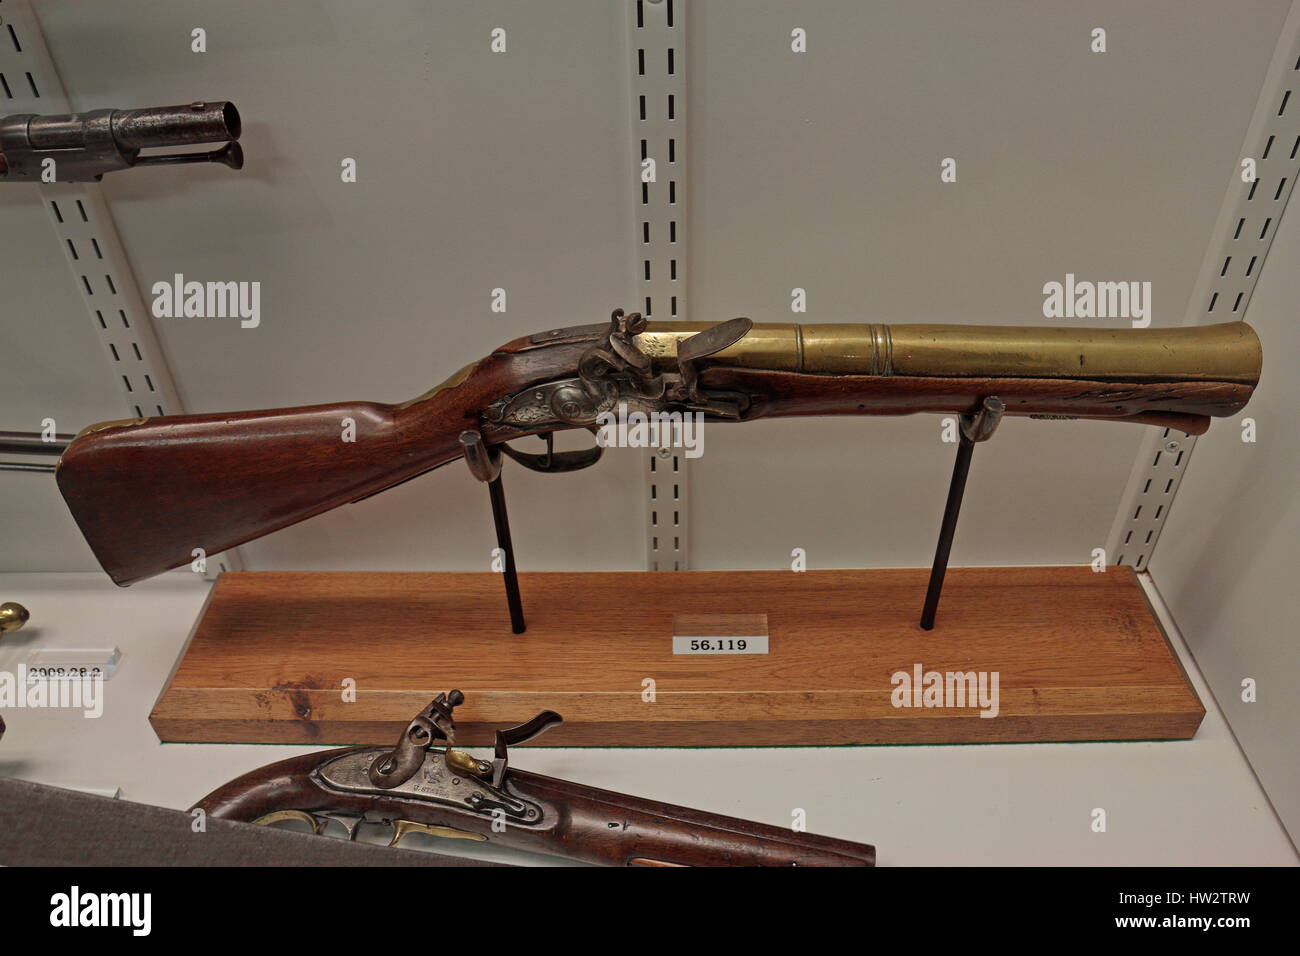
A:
(139, 129)
(1228, 352)
(176, 125)
(78, 147)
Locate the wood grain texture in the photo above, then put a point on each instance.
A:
(719, 625)
(1183, 405)
(1079, 655)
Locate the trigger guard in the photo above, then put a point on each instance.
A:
(555, 461)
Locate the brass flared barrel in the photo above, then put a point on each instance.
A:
(1229, 352)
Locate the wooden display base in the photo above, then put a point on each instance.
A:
(1079, 656)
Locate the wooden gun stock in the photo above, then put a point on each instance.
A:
(576, 822)
(147, 493)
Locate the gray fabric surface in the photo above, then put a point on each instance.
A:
(50, 826)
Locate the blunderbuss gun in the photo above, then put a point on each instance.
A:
(425, 785)
(82, 147)
(146, 492)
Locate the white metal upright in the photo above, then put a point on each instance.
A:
(657, 43)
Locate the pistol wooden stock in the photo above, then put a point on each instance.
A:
(577, 822)
(146, 493)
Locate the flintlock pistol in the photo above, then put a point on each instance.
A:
(425, 785)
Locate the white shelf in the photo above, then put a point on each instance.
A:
(1175, 802)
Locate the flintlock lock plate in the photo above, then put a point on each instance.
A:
(433, 782)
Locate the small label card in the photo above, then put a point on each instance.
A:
(98, 662)
(719, 633)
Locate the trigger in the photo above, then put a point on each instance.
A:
(317, 825)
(402, 827)
(349, 822)
(552, 461)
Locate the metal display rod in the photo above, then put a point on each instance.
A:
(30, 443)
(485, 465)
(974, 428)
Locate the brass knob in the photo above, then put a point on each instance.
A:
(12, 616)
